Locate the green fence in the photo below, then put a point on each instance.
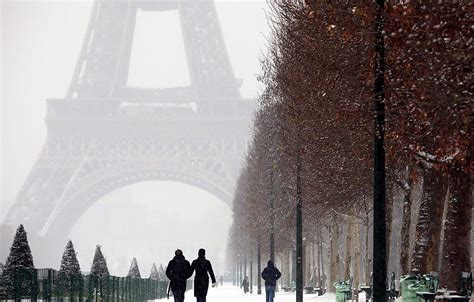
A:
(48, 285)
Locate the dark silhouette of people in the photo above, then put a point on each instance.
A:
(270, 274)
(245, 284)
(202, 267)
(178, 271)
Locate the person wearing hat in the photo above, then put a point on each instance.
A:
(270, 274)
(203, 269)
(178, 271)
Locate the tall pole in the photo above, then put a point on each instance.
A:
(379, 247)
(299, 230)
(272, 218)
(259, 269)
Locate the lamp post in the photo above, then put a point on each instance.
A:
(259, 268)
(272, 218)
(299, 230)
(380, 240)
(273, 149)
(379, 247)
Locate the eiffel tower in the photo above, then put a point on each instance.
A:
(105, 135)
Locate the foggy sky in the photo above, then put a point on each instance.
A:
(40, 44)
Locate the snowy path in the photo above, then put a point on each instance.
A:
(229, 293)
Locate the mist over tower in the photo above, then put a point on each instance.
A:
(105, 134)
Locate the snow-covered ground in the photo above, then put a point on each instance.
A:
(229, 293)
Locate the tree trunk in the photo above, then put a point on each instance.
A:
(456, 253)
(367, 259)
(251, 275)
(312, 267)
(428, 228)
(319, 259)
(323, 272)
(306, 261)
(348, 260)
(406, 224)
(334, 263)
(288, 265)
(356, 235)
(293, 265)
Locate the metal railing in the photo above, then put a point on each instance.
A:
(49, 285)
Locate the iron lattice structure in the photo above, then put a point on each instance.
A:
(104, 134)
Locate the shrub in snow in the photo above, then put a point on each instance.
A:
(99, 265)
(69, 271)
(154, 273)
(19, 258)
(134, 272)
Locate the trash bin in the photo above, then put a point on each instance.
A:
(343, 291)
(408, 283)
(412, 284)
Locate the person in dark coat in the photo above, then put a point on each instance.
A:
(202, 267)
(270, 274)
(245, 284)
(178, 271)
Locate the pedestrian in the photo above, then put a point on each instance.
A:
(178, 271)
(270, 274)
(203, 269)
(221, 279)
(245, 284)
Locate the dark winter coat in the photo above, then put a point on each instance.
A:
(245, 285)
(202, 267)
(271, 274)
(178, 271)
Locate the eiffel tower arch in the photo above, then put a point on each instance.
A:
(105, 135)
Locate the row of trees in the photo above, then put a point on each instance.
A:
(21, 257)
(313, 139)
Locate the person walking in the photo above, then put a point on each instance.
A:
(270, 274)
(245, 284)
(203, 269)
(178, 271)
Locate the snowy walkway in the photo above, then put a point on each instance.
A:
(229, 293)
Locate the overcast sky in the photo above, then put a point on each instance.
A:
(39, 47)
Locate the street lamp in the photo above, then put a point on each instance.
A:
(299, 228)
(259, 268)
(272, 217)
(380, 240)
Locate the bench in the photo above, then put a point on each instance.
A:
(288, 288)
(426, 296)
(309, 290)
(465, 291)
